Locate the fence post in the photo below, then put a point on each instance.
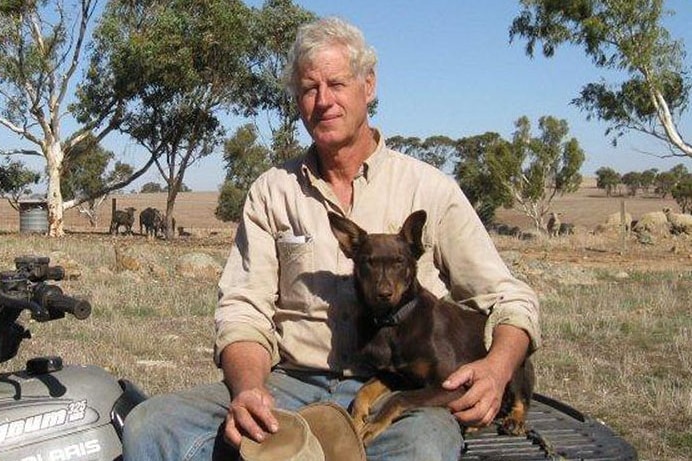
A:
(623, 228)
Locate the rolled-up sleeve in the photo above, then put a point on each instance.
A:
(477, 275)
(248, 284)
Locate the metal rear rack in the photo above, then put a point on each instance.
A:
(556, 432)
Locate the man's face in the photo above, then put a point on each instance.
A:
(333, 102)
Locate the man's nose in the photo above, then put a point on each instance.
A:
(325, 97)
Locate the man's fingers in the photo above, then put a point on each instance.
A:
(474, 416)
(231, 433)
(251, 415)
(460, 377)
(247, 424)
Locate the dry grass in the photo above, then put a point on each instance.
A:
(617, 324)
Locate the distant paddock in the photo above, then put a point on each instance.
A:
(194, 211)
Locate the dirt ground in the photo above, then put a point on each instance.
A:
(586, 208)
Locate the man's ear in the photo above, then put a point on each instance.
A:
(370, 86)
(412, 232)
(347, 233)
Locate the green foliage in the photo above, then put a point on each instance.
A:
(15, 179)
(647, 178)
(231, 200)
(273, 30)
(466, 159)
(175, 67)
(245, 160)
(152, 188)
(682, 193)
(40, 53)
(474, 176)
(85, 170)
(665, 181)
(608, 179)
(623, 35)
(437, 150)
(633, 181)
(536, 169)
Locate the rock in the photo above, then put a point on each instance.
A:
(198, 265)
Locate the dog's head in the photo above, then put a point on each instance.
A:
(384, 265)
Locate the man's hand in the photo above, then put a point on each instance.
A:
(487, 378)
(480, 404)
(245, 368)
(250, 414)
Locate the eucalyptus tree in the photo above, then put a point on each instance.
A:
(536, 169)
(622, 35)
(40, 52)
(87, 172)
(246, 158)
(15, 179)
(179, 66)
(273, 28)
(608, 179)
(438, 150)
(472, 172)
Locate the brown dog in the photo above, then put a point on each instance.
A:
(413, 340)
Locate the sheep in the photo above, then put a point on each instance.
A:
(654, 222)
(566, 229)
(124, 218)
(152, 222)
(554, 224)
(680, 223)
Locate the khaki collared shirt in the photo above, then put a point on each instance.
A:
(288, 286)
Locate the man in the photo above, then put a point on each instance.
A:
(287, 310)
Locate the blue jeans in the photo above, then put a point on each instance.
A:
(187, 426)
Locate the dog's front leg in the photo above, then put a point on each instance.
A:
(365, 397)
(393, 407)
(400, 402)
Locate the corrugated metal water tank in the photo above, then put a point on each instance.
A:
(33, 216)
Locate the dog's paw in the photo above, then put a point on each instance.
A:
(371, 430)
(512, 426)
(360, 417)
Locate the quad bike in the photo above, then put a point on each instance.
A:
(50, 411)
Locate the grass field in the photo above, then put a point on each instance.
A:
(616, 321)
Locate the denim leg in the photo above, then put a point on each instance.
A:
(186, 426)
(179, 427)
(428, 433)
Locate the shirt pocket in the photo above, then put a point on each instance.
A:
(296, 275)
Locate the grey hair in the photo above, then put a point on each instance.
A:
(317, 35)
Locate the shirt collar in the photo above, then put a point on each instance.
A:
(370, 166)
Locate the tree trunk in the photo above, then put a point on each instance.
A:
(54, 157)
(170, 221)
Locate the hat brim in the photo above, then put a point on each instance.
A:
(334, 429)
(292, 442)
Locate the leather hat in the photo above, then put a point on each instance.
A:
(317, 432)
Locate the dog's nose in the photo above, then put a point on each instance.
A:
(384, 295)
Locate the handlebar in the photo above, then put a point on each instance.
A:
(55, 301)
(27, 288)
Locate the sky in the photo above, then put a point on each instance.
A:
(446, 67)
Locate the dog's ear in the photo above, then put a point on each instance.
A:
(412, 232)
(348, 234)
